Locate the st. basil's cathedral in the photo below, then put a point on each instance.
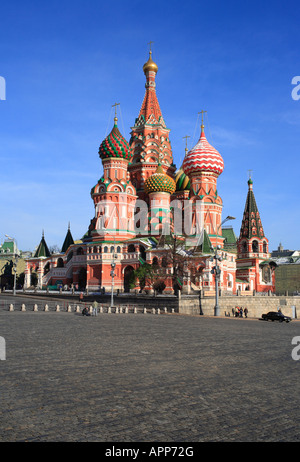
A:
(136, 202)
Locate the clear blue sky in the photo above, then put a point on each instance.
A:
(66, 62)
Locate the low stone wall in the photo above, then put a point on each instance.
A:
(257, 305)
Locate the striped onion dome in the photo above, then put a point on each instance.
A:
(182, 181)
(160, 182)
(115, 145)
(203, 158)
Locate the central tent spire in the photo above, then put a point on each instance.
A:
(149, 141)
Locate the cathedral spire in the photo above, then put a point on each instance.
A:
(251, 224)
(150, 111)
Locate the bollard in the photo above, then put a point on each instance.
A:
(101, 309)
(117, 310)
(109, 309)
(77, 309)
(57, 308)
(135, 310)
(91, 309)
(46, 308)
(158, 311)
(23, 308)
(69, 309)
(165, 309)
(11, 307)
(35, 307)
(145, 311)
(173, 311)
(126, 309)
(153, 310)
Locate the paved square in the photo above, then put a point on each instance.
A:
(145, 378)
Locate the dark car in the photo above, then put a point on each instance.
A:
(275, 316)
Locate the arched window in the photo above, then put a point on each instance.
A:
(265, 247)
(143, 252)
(70, 255)
(60, 263)
(118, 249)
(254, 246)
(105, 249)
(112, 249)
(80, 251)
(155, 261)
(244, 246)
(131, 248)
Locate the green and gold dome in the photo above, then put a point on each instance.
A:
(182, 181)
(115, 145)
(160, 182)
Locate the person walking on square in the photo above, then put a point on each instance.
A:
(246, 312)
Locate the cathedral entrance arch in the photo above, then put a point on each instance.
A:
(82, 277)
(127, 275)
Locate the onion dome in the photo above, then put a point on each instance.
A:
(182, 181)
(150, 65)
(203, 158)
(160, 182)
(115, 145)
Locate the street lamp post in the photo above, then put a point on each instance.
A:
(15, 262)
(216, 270)
(15, 271)
(112, 273)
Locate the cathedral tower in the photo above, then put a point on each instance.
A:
(203, 164)
(114, 195)
(253, 249)
(149, 142)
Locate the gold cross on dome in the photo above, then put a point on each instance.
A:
(150, 43)
(201, 112)
(186, 137)
(115, 106)
(250, 174)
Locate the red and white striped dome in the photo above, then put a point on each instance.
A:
(203, 158)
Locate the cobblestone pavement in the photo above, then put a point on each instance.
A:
(147, 378)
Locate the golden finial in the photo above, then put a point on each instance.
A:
(150, 64)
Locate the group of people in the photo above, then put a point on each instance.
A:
(86, 312)
(238, 312)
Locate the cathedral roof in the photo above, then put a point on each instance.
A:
(150, 65)
(251, 223)
(115, 145)
(182, 181)
(160, 182)
(68, 241)
(42, 250)
(150, 112)
(203, 158)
